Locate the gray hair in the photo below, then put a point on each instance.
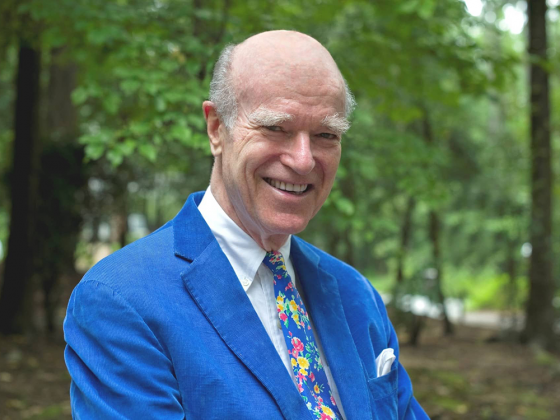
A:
(222, 92)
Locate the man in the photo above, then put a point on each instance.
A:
(221, 313)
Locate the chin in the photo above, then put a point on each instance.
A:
(289, 227)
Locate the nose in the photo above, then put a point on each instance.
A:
(299, 157)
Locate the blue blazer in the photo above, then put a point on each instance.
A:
(163, 329)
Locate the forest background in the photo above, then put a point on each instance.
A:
(447, 190)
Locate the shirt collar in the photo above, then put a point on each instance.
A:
(243, 253)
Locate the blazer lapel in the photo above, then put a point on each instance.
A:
(212, 283)
(325, 306)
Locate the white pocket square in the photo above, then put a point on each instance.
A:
(384, 361)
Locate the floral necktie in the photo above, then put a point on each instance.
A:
(307, 365)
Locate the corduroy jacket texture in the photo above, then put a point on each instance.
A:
(163, 329)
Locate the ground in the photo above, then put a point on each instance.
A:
(461, 377)
(474, 376)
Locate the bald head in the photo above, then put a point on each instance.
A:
(284, 53)
(285, 59)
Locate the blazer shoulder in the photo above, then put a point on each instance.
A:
(135, 261)
(335, 266)
(328, 262)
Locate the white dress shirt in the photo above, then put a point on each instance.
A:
(246, 256)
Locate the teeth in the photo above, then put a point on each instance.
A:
(286, 186)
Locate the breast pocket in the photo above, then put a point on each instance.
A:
(383, 395)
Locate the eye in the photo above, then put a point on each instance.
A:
(274, 128)
(328, 136)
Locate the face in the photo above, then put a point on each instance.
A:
(279, 162)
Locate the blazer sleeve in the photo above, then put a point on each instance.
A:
(118, 368)
(408, 407)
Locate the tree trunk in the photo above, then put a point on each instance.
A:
(119, 218)
(434, 234)
(348, 189)
(62, 175)
(406, 229)
(436, 252)
(62, 116)
(539, 309)
(512, 292)
(16, 288)
(348, 256)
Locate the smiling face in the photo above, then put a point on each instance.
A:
(275, 168)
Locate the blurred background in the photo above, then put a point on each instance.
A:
(445, 197)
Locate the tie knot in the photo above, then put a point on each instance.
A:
(275, 261)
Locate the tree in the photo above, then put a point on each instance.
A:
(61, 186)
(540, 312)
(432, 172)
(137, 65)
(14, 295)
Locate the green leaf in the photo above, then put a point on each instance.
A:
(130, 86)
(197, 121)
(160, 104)
(173, 96)
(126, 147)
(139, 128)
(345, 206)
(115, 157)
(79, 95)
(111, 103)
(94, 151)
(426, 9)
(408, 6)
(192, 99)
(182, 133)
(148, 151)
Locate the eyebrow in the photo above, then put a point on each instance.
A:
(336, 123)
(267, 118)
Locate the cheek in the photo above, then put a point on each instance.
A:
(248, 153)
(228, 168)
(233, 161)
(329, 164)
(259, 159)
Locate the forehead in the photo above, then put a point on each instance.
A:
(294, 91)
(286, 70)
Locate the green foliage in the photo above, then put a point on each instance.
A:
(144, 70)
(487, 290)
(441, 118)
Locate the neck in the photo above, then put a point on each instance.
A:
(272, 243)
(266, 242)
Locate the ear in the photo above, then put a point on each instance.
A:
(213, 125)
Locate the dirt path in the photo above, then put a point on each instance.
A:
(34, 382)
(467, 377)
(462, 377)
